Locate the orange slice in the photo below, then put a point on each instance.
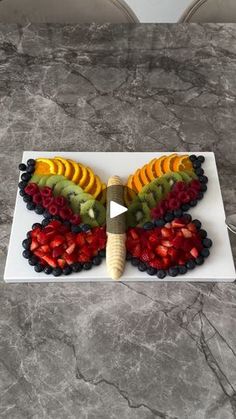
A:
(167, 163)
(68, 173)
(77, 171)
(99, 186)
(143, 175)
(158, 169)
(59, 167)
(84, 178)
(103, 194)
(130, 182)
(150, 169)
(178, 163)
(137, 181)
(45, 166)
(90, 180)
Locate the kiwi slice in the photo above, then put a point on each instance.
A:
(173, 177)
(53, 180)
(71, 190)
(191, 173)
(138, 214)
(35, 179)
(77, 200)
(61, 185)
(185, 177)
(163, 185)
(43, 181)
(93, 213)
(151, 194)
(146, 197)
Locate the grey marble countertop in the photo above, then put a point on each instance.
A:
(116, 351)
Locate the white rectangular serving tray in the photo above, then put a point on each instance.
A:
(210, 211)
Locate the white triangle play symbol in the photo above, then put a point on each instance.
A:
(116, 209)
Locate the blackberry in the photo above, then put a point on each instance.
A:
(201, 159)
(38, 268)
(39, 209)
(142, 267)
(22, 167)
(134, 261)
(26, 244)
(22, 185)
(75, 228)
(47, 214)
(203, 187)
(203, 234)
(203, 179)
(26, 254)
(36, 225)
(102, 253)
(185, 207)
(191, 264)
(47, 270)
(27, 198)
(173, 271)
(207, 242)
(33, 261)
(128, 256)
(159, 222)
(30, 169)
(25, 177)
(85, 227)
(22, 192)
(76, 267)
(169, 217)
(31, 162)
(197, 223)
(199, 171)
(45, 222)
(97, 260)
(67, 270)
(148, 225)
(193, 203)
(200, 196)
(161, 274)
(57, 271)
(187, 218)
(182, 270)
(178, 213)
(205, 252)
(196, 164)
(87, 266)
(151, 271)
(193, 157)
(30, 206)
(199, 260)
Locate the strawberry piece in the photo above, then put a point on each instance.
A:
(39, 253)
(167, 243)
(194, 252)
(166, 232)
(55, 224)
(47, 201)
(57, 241)
(34, 245)
(58, 251)
(60, 201)
(186, 233)
(161, 250)
(50, 260)
(37, 199)
(173, 253)
(46, 191)
(70, 249)
(61, 263)
(31, 189)
(34, 233)
(80, 240)
(70, 259)
(178, 223)
(136, 251)
(134, 233)
(43, 237)
(191, 227)
(45, 248)
(178, 242)
(75, 219)
(53, 209)
(65, 213)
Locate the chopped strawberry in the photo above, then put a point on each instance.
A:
(55, 224)
(161, 250)
(191, 227)
(57, 241)
(34, 245)
(167, 243)
(45, 248)
(186, 233)
(166, 232)
(58, 251)
(194, 252)
(70, 249)
(80, 240)
(50, 261)
(178, 223)
(61, 263)
(136, 251)
(70, 259)
(43, 237)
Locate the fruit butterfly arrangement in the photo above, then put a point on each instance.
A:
(161, 238)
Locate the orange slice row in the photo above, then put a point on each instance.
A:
(156, 168)
(76, 172)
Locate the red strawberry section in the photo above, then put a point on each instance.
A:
(181, 193)
(57, 247)
(164, 247)
(56, 206)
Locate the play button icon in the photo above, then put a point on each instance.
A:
(116, 209)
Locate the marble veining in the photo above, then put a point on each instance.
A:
(112, 351)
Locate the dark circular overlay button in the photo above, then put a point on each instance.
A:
(117, 198)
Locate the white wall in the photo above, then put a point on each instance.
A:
(158, 10)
